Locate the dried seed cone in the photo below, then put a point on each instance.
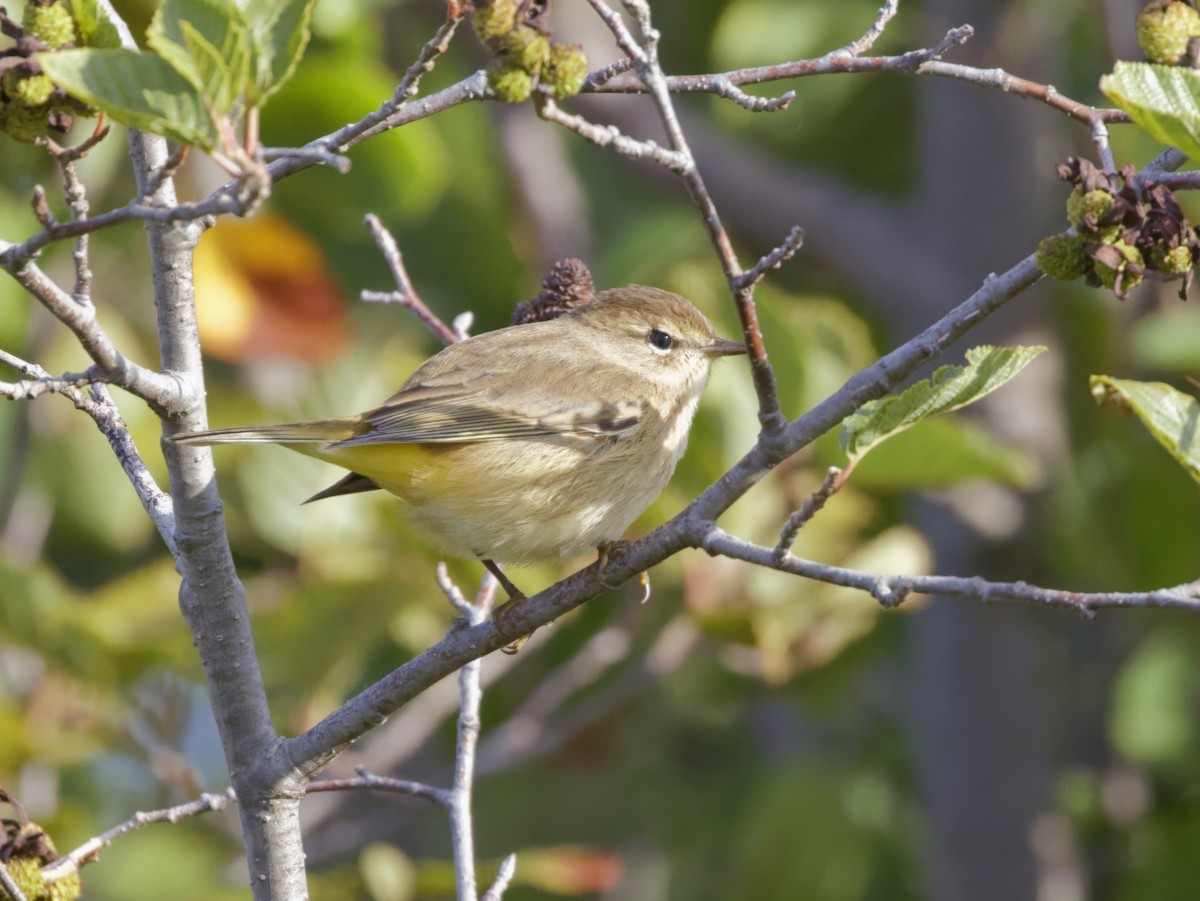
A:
(1108, 275)
(1164, 28)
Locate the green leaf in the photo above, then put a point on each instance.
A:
(280, 32)
(1172, 417)
(96, 28)
(223, 75)
(138, 89)
(945, 451)
(1164, 100)
(950, 388)
(206, 41)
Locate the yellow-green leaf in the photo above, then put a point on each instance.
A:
(950, 388)
(138, 89)
(280, 31)
(1172, 417)
(205, 41)
(1164, 100)
(96, 27)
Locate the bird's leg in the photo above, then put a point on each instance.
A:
(514, 593)
(604, 554)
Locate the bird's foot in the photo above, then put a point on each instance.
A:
(604, 558)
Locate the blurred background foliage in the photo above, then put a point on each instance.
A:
(745, 734)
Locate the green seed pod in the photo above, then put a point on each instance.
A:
(534, 54)
(66, 888)
(1108, 275)
(52, 24)
(25, 123)
(1164, 28)
(568, 69)
(27, 874)
(494, 22)
(1062, 257)
(512, 84)
(1175, 261)
(1098, 202)
(27, 90)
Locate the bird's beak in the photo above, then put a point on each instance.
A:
(724, 348)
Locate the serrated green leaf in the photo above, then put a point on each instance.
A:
(941, 452)
(223, 75)
(1164, 100)
(1172, 417)
(206, 41)
(96, 28)
(280, 32)
(950, 388)
(138, 89)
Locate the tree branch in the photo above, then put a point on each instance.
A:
(98, 405)
(405, 294)
(893, 590)
(165, 394)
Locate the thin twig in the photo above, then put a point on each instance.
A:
(372, 782)
(650, 72)
(7, 883)
(926, 61)
(165, 394)
(600, 76)
(611, 136)
(772, 260)
(337, 161)
(405, 294)
(892, 590)
(90, 850)
(77, 200)
(41, 209)
(835, 478)
(624, 38)
(384, 118)
(98, 405)
(867, 41)
(80, 150)
(508, 868)
(462, 833)
(1103, 148)
(37, 385)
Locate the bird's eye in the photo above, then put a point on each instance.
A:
(660, 340)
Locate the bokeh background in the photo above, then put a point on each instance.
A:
(744, 734)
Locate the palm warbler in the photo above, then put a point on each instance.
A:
(532, 442)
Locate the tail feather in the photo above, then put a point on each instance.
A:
(352, 483)
(320, 431)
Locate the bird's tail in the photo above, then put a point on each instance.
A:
(321, 431)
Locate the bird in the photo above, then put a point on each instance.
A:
(529, 443)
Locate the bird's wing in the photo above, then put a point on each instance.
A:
(451, 415)
(493, 387)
